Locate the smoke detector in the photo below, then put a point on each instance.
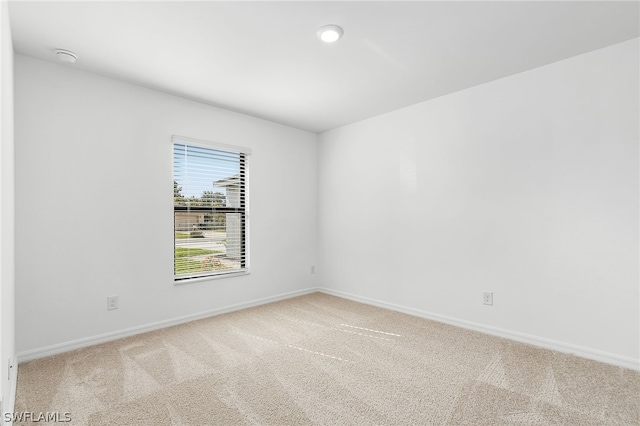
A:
(67, 56)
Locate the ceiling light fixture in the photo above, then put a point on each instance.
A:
(66, 56)
(330, 33)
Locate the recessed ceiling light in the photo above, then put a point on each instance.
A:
(66, 56)
(330, 33)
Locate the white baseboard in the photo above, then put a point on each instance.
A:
(114, 335)
(10, 407)
(581, 351)
(9, 402)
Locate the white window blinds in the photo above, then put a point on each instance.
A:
(210, 209)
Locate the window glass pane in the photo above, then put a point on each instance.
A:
(209, 192)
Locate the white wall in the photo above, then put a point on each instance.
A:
(526, 186)
(7, 215)
(94, 213)
(7, 205)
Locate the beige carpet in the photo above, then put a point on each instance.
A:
(319, 359)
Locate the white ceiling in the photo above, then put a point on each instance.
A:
(263, 58)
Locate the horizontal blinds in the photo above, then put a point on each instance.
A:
(210, 217)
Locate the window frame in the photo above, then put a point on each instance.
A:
(244, 208)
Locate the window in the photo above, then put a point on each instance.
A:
(209, 209)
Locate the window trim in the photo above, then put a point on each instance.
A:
(246, 152)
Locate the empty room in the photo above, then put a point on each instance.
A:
(320, 213)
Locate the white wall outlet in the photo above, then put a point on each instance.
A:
(313, 269)
(112, 303)
(487, 298)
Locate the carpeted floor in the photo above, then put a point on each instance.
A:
(319, 359)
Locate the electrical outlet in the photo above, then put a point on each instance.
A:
(313, 269)
(487, 298)
(112, 303)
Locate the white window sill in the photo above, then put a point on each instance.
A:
(211, 277)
